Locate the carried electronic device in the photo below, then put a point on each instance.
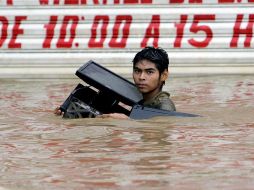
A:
(107, 92)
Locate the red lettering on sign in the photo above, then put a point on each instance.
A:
(4, 31)
(74, 2)
(233, 1)
(146, 1)
(107, 2)
(153, 31)
(62, 41)
(182, 1)
(134, 2)
(131, 1)
(195, 28)
(180, 31)
(97, 2)
(127, 19)
(248, 32)
(50, 31)
(92, 42)
(66, 2)
(46, 2)
(138, 1)
(9, 2)
(226, 1)
(16, 31)
(176, 1)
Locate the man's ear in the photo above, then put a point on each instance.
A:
(164, 75)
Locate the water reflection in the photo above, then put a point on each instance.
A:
(41, 151)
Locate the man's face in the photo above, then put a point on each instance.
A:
(147, 77)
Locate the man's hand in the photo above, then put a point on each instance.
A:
(113, 115)
(58, 111)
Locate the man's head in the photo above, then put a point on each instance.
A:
(156, 55)
(150, 69)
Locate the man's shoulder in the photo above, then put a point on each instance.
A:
(165, 102)
(162, 94)
(162, 101)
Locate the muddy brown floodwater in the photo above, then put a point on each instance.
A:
(216, 151)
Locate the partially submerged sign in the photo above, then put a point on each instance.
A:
(51, 38)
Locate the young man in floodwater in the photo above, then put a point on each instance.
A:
(150, 71)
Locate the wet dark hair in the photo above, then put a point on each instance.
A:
(156, 55)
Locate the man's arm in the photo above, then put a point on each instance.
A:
(113, 115)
